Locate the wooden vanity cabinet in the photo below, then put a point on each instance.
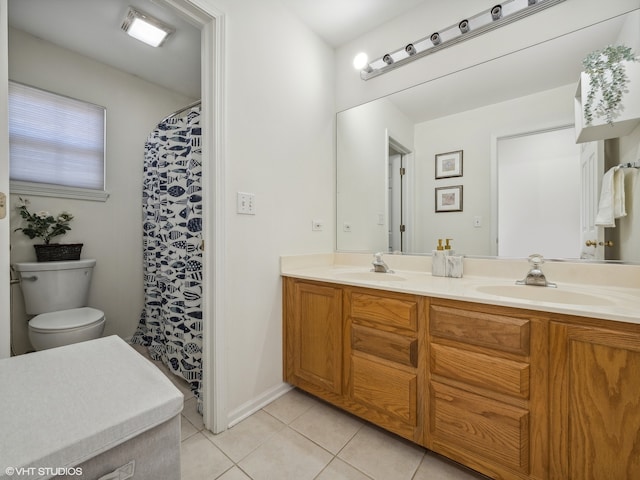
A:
(595, 400)
(385, 362)
(487, 388)
(511, 393)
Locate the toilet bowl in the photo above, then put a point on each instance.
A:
(56, 293)
(64, 327)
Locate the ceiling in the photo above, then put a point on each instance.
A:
(92, 28)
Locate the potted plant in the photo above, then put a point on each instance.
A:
(607, 82)
(46, 226)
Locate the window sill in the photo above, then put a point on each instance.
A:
(58, 191)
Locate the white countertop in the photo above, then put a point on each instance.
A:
(588, 290)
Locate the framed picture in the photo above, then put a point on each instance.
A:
(449, 199)
(449, 164)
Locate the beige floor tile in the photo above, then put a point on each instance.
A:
(234, 474)
(246, 436)
(339, 470)
(286, 456)
(186, 428)
(382, 455)
(435, 467)
(190, 412)
(327, 426)
(290, 405)
(202, 460)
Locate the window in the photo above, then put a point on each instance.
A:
(56, 145)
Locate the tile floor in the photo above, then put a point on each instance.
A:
(298, 437)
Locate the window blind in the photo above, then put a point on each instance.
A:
(54, 139)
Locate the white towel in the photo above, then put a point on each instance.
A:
(611, 198)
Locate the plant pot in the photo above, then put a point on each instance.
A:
(58, 252)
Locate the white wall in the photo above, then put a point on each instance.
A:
(362, 187)
(279, 146)
(111, 231)
(475, 132)
(431, 16)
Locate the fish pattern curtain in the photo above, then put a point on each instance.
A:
(171, 321)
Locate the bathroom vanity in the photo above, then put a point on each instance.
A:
(513, 387)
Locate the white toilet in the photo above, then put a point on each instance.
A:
(56, 293)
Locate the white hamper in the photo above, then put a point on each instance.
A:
(97, 408)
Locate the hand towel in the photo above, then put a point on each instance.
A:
(612, 198)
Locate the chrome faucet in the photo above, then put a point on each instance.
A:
(379, 265)
(535, 276)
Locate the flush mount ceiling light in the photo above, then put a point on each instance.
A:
(146, 28)
(502, 14)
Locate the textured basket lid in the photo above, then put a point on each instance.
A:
(62, 406)
(63, 319)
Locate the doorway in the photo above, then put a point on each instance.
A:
(539, 194)
(211, 24)
(398, 160)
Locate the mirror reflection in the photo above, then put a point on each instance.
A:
(520, 182)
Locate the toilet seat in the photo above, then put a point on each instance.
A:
(72, 319)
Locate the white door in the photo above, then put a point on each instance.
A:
(592, 169)
(5, 329)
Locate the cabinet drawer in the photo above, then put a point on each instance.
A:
(384, 388)
(386, 311)
(497, 374)
(499, 332)
(390, 346)
(485, 427)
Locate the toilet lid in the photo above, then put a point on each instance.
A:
(63, 319)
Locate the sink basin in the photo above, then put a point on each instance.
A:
(371, 277)
(544, 294)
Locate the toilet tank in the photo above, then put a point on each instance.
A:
(53, 286)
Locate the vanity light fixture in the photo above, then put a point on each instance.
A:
(502, 14)
(146, 28)
(496, 13)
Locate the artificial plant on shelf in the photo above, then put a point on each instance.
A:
(607, 81)
(43, 224)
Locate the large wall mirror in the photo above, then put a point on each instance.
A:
(487, 156)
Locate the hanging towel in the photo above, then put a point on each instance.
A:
(611, 198)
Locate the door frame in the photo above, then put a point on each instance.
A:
(211, 21)
(5, 288)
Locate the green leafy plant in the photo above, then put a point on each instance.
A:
(43, 224)
(607, 76)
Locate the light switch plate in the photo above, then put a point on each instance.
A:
(246, 203)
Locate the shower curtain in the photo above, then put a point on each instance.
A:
(171, 321)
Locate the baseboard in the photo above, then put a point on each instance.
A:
(249, 408)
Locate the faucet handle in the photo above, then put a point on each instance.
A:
(536, 260)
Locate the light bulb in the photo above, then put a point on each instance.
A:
(360, 61)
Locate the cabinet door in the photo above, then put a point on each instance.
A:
(313, 336)
(595, 403)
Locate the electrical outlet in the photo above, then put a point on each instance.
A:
(246, 203)
(317, 225)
